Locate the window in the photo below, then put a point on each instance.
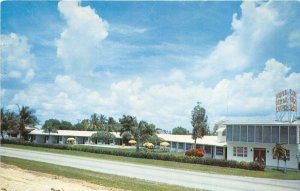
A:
(245, 152)
(292, 134)
(173, 145)
(219, 151)
(244, 133)
(240, 151)
(258, 134)
(180, 145)
(236, 133)
(188, 146)
(250, 133)
(208, 149)
(283, 134)
(275, 134)
(60, 138)
(267, 134)
(287, 154)
(229, 133)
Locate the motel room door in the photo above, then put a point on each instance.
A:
(259, 155)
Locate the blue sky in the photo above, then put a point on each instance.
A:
(154, 60)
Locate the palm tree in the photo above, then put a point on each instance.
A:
(8, 121)
(279, 152)
(94, 121)
(51, 126)
(26, 117)
(102, 122)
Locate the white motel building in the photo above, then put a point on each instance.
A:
(235, 140)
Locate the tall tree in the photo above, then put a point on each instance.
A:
(94, 121)
(102, 122)
(112, 125)
(199, 122)
(26, 117)
(51, 126)
(180, 131)
(85, 123)
(279, 152)
(9, 122)
(65, 125)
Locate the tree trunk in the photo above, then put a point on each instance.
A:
(284, 166)
(277, 163)
(195, 143)
(138, 144)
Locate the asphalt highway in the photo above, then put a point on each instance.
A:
(185, 178)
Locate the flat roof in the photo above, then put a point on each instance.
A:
(235, 122)
(71, 133)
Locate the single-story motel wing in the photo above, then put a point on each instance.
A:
(236, 140)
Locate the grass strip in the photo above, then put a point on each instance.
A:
(106, 180)
(268, 173)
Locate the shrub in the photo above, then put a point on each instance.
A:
(195, 152)
(189, 158)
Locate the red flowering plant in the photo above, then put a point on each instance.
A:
(195, 152)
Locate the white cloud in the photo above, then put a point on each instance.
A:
(78, 43)
(17, 61)
(294, 39)
(165, 104)
(236, 52)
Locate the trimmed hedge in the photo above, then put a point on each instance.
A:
(148, 155)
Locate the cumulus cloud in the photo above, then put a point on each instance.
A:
(17, 61)
(167, 105)
(79, 41)
(234, 54)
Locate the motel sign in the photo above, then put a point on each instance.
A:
(286, 105)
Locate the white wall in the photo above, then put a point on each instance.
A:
(292, 163)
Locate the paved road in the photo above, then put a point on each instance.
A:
(158, 174)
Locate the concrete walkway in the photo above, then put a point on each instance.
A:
(158, 174)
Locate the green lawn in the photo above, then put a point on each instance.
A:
(107, 180)
(268, 173)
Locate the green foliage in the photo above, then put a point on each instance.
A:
(103, 136)
(126, 136)
(9, 122)
(51, 126)
(65, 125)
(180, 131)
(279, 152)
(199, 122)
(26, 117)
(149, 155)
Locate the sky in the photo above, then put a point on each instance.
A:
(153, 60)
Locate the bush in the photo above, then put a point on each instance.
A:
(189, 158)
(195, 152)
